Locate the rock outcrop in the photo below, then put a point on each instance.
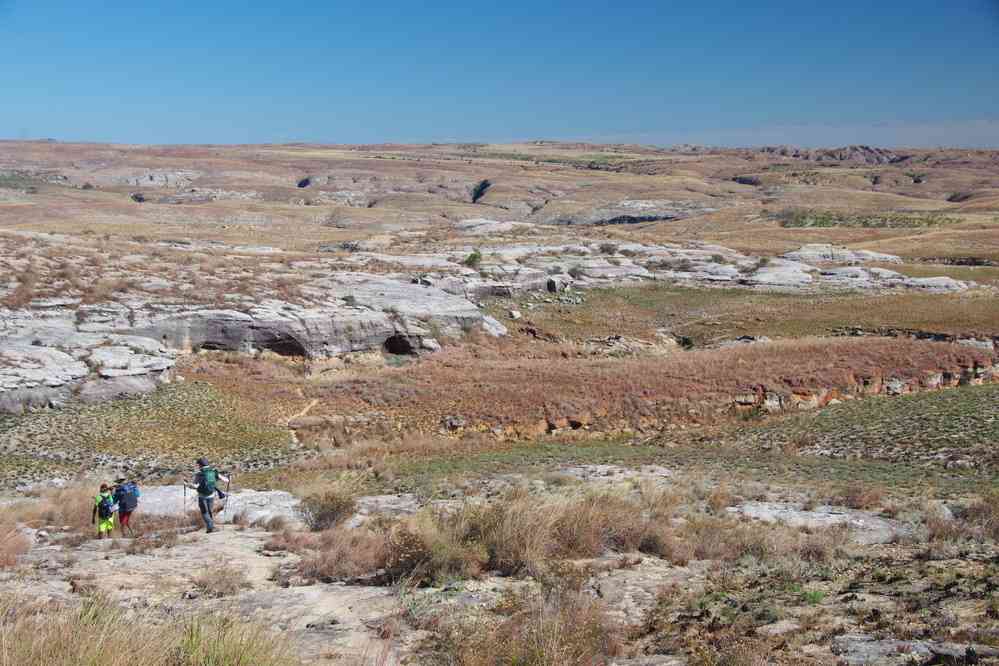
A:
(61, 349)
(49, 363)
(852, 154)
(629, 211)
(827, 253)
(251, 506)
(866, 527)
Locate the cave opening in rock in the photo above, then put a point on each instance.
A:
(283, 345)
(399, 345)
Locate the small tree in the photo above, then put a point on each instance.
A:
(473, 260)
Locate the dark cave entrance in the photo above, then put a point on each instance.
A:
(283, 345)
(399, 345)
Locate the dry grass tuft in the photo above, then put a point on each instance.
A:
(221, 580)
(70, 507)
(720, 499)
(984, 514)
(728, 540)
(25, 290)
(99, 633)
(146, 543)
(860, 496)
(569, 629)
(13, 545)
(325, 510)
(341, 553)
(746, 652)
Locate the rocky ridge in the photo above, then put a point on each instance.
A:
(368, 297)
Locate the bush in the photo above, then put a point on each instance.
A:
(325, 510)
(805, 218)
(479, 190)
(517, 534)
(473, 259)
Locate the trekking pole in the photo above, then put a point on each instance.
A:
(228, 498)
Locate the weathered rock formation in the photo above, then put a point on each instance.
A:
(852, 154)
(58, 348)
(826, 253)
(61, 349)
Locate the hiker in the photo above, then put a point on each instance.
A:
(104, 509)
(206, 483)
(126, 496)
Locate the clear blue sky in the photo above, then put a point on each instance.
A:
(728, 72)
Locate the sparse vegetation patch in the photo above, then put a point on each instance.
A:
(808, 218)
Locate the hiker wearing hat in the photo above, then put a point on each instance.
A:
(104, 511)
(126, 496)
(206, 483)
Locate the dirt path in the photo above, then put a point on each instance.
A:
(302, 412)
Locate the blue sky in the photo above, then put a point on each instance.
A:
(913, 72)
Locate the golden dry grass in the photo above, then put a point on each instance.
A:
(13, 544)
(711, 315)
(98, 633)
(488, 387)
(568, 629)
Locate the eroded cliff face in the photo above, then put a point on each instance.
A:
(57, 350)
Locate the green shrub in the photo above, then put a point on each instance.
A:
(473, 260)
(807, 218)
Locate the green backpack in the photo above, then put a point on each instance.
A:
(209, 477)
(105, 507)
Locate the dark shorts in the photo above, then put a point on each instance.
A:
(124, 517)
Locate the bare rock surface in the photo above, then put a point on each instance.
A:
(486, 227)
(631, 591)
(865, 649)
(45, 362)
(323, 622)
(628, 211)
(866, 527)
(827, 253)
(254, 506)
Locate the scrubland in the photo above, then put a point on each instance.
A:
(646, 473)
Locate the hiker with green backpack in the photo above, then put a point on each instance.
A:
(104, 508)
(206, 484)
